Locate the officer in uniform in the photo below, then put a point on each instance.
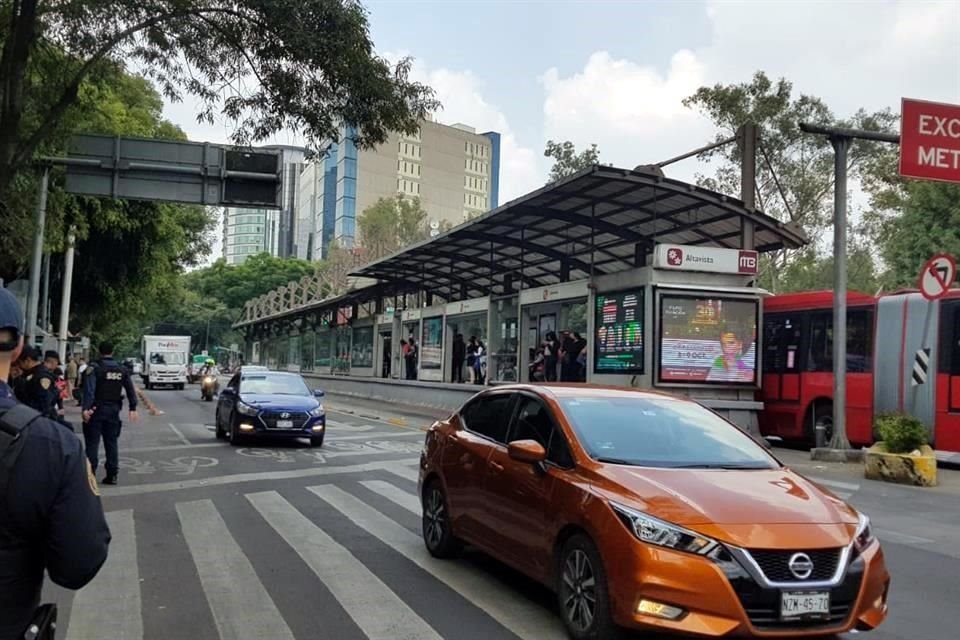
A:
(38, 386)
(50, 513)
(102, 400)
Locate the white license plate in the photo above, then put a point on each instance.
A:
(804, 604)
(284, 424)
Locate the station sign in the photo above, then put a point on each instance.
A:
(930, 140)
(679, 257)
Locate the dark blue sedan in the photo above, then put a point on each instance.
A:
(260, 402)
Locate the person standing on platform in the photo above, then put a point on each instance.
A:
(103, 392)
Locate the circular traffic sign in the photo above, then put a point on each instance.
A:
(937, 276)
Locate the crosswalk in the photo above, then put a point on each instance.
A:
(351, 547)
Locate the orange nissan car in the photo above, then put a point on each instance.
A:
(647, 511)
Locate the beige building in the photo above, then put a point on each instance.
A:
(452, 169)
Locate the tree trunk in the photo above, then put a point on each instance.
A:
(20, 38)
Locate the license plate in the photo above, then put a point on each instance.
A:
(804, 604)
(284, 424)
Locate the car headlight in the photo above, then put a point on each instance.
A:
(316, 413)
(864, 536)
(663, 534)
(247, 409)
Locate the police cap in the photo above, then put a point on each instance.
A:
(32, 353)
(11, 318)
(51, 355)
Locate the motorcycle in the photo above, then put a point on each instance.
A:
(209, 388)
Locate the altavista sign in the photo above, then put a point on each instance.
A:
(679, 257)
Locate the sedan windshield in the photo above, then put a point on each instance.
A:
(661, 432)
(274, 385)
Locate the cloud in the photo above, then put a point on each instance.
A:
(864, 55)
(461, 94)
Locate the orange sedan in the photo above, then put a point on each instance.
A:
(647, 511)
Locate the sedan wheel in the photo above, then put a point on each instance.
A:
(235, 434)
(582, 592)
(219, 430)
(437, 534)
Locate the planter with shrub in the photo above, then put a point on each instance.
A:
(901, 453)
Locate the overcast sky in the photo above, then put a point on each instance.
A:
(614, 72)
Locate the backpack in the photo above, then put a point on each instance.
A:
(13, 422)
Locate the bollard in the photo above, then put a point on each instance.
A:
(820, 434)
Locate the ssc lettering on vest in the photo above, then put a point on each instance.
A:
(114, 375)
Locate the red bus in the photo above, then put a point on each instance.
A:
(797, 389)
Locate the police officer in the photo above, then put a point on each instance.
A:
(50, 513)
(102, 400)
(38, 386)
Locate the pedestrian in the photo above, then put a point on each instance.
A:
(82, 367)
(37, 387)
(72, 374)
(102, 400)
(52, 519)
(459, 355)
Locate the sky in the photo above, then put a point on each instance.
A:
(615, 73)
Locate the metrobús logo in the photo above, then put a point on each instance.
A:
(675, 257)
(748, 262)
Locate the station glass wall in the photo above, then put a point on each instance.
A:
(504, 339)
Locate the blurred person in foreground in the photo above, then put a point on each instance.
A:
(51, 518)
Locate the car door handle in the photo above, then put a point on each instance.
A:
(496, 466)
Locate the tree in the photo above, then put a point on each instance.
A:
(334, 272)
(300, 65)
(234, 285)
(795, 169)
(390, 224)
(566, 160)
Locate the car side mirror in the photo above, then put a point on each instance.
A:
(529, 451)
(318, 393)
(227, 391)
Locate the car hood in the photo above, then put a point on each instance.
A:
(280, 402)
(725, 497)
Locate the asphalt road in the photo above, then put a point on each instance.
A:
(279, 541)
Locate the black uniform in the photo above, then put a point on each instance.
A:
(50, 514)
(38, 390)
(103, 390)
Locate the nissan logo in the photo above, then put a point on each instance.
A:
(800, 565)
(285, 415)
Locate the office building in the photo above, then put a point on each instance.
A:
(452, 169)
(249, 231)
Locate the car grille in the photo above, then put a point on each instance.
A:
(774, 564)
(270, 418)
(763, 605)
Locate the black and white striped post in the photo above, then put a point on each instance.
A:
(921, 367)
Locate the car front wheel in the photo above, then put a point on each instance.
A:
(235, 434)
(437, 534)
(582, 593)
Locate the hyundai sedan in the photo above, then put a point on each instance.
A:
(260, 402)
(647, 511)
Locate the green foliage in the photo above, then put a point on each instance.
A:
(566, 160)
(301, 65)
(391, 224)
(900, 433)
(794, 169)
(809, 270)
(234, 285)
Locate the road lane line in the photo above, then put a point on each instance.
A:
(240, 604)
(394, 494)
(901, 538)
(172, 447)
(109, 607)
(179, 433)
(374, 607)
(406, 472)
(524, 618)
(834, 484)
(373, 436)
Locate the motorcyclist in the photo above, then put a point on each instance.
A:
(209, 370)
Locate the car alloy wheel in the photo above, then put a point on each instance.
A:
(219, 429)
(579, 591)
(437, 535)
(582, 592)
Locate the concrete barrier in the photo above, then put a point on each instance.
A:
(435, 395)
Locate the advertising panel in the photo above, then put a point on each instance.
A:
(618, 339)
(361, 351)
(708, 340)
(431, 349)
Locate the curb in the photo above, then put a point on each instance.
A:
(395, 421)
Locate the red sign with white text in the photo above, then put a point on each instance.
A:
(930, 140)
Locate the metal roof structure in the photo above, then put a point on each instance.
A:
(600, 220)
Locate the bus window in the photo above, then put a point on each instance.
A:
(859, 341)
(781, 335)
(820, 351)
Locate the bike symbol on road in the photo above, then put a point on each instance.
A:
(275, 455)
(182, 466)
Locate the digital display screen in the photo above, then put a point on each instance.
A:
(618, 327)
(708, 340)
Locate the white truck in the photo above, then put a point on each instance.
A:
(165, 360)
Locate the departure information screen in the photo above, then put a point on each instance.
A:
(618, 336)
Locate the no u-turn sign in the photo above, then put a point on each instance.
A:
(937, 276)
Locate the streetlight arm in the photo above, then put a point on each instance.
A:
(843, 132)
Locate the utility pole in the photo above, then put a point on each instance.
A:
(67, 290)
(40, 219)
(841, 139)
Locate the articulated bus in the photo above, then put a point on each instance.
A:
(797, 389)
(903, 355)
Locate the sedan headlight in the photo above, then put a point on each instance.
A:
(663, 534)
(246, 409)
(316, 413)
(864, 536)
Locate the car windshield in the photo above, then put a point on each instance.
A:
(274, 385)
(661, 432)
(166, 357)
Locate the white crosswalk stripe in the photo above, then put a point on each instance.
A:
(241, 606)
(242, 600)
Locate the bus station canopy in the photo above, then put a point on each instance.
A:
(598, 221)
